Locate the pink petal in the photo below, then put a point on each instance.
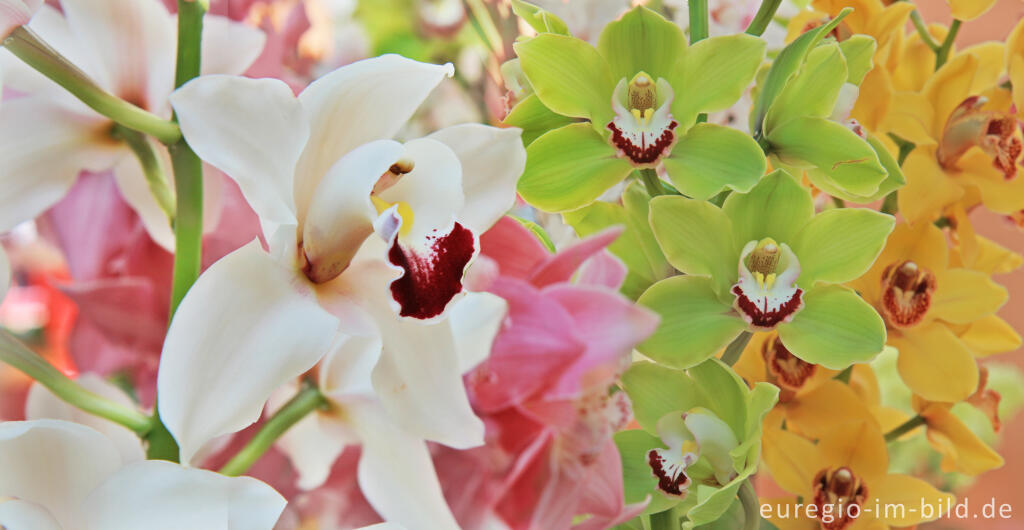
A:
(514, 247)
(561, 267)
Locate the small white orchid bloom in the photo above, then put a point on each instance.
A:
(368, 237)
(48, 137)
(59, 475)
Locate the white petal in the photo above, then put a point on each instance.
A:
(50, 26)
(246, 327)
(396, 473)
(159, 495)
(358, 103)
(134, 188)
(341, 215)
(54, 464)
(313, 444)
(433, 189)
(5, 273)
(17, 514)
(475, 321)
(251, 129)
(43, 147)
(134, 45)
(229, 47)
(42, 404)
(14, 13)
(345, 373)
(492, 161)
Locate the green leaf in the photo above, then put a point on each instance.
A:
(568, 75)
(540, 20)
(534, 118)
(778, 207)
(712, 74)
(840, 245)
(642, 40)
(710, 158)
(694, 323)
(894, 178)
(637, 479)
(859, 51)
(813, 90)
(846, 158)
(696, 238)
(835, 328)
(569, 168)
(785, 65)
(656, 390)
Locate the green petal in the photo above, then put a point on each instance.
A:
(859, 51)
(760, 400)
(568, 75)
(785, 65)
(637, 479)
(894, 178)
(569, 168)
(656, 390)
(713, 74)
(710, 158)
(694, 323)
(840, 245)
(834, 329)
(534, 118)
(778, 207)
(712, 502)
(813, 90)
(540, 20)
(837, 151)
(726, 393)
(696, 237)
(642, 40)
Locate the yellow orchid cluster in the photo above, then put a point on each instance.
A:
(952, 118)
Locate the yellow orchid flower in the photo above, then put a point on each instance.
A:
(969, 145)
(938, 317)
(842, 483)
(969, 9)
(1015, 65)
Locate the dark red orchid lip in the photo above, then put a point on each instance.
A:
(433, 278)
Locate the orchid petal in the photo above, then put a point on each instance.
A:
(903, 490)
(475, 322)
(14, 13)
(313, 444)
(54, 464)
(728, 62)
(840, 245)
(514, 247)
(813, 90)
(778, 207)
(935, 364)
(432, 190)
(569, 76)
(17, 514)
(42, 404)
(358, 103)
(5, 273)
(641, 40)
(710, 158)
(696, 238)
(160, 495)
(245, 315)
(561, 267)
(834, 329)
(257, 149)
(135, 190)
(229, 47)
(492, 161)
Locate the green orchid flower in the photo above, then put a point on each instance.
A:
(801, 117)
(640, 92)
(764, 261)
(700, 438)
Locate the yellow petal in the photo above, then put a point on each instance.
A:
(991, 65)
(934, 363)
(874, 100)
(917, 61)
(750, 365)
(964, 235)
(865, 384)
(890, 418)
(969, 9)
(792, 460)
(963, 296)
(890, 22)
(999, 195)
(858, 444)
(994, 258)
(961, 449)
(913, 494)
(826, 407)
(911, 117)
(1015, 64)
(929, 189)
(949, 87)
(798, 24)
(922, 243)
(990, 335)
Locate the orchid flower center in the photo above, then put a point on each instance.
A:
(388, 179)
(835, 491)
(766, 293)
(643, 129)
(669, 467)
(785, 369)
(907, 290)
(997, 134)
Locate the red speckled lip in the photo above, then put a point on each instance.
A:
(760, 316)
(651, 148)
(672, 479)
(433, 278)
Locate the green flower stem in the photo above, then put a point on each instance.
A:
(19, 356)
(922, 30)
(735, 348)
(485, 27)
(188, 185)
(665, 520)
(28, 47)
(751, 506)
(906, 427)
(151, 167)
(698, 20)
(947, 45)
(890, 204)
(651, 181)
(764, 16)
(306, 401)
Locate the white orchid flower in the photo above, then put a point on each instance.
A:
(324, 176)
(59, 475)
(48, 137)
